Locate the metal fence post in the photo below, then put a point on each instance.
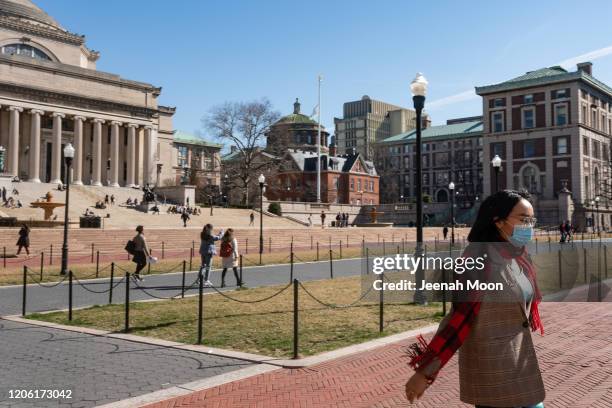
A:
(241, 281)
(92, 252)
(126, 327)
(51, 255)
(536, 245)
(291, 261)
(367, 255)
(183, 280)
(317, 251)
(560, 271)
(331, 265)
(549, 248)
(42, 262)
(201, 302)
(340, 249)
(381, 303)
(191, 259)
(112, 278)
(97, 263)
(311, 242)
(163, 250)
(599, 272)
(295, 318)
(4, 256)
(606, 262)
(247, 246)
(269, 244)
(25, 285)
(384, 247)
(70, 295)
(585, 264)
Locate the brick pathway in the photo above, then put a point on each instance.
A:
(575, 356)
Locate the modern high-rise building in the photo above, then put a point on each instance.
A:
(368, 121)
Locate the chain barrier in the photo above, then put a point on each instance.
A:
(39, 283)
(146, 290)
(333, 306)
(97, 283)
(168, 271)
(252, 301)
(13, 261)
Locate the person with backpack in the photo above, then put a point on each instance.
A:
(24, 239)
(229, 256)
(140, 251)
(185, 218)
(208, 251)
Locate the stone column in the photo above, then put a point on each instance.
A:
(131, 155)
(77, 165)
(97, 152)
(13, 147)
(34, 171)
(148, 155)
(114, 154)
(56, 152)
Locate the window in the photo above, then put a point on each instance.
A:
(585, 146)
(498, 149)
(584, 114)
(528, 118)
(359, 185)
(406, 162)
(594, 119)
(24, 50)
(528, 98)
(498, 122)
(595, 149)
(603, 122)
(560, 114)
(562, 145)
(529, 179)
(499, 102)
(352, 184)
(560, 93)
(182, 156)
(528, 148)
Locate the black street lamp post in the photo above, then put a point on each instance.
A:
(451, 187)
(68, 156)
(262, 180)
(418, 87)
(597, 221)
(496, 162)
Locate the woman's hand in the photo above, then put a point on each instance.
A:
(416, 386)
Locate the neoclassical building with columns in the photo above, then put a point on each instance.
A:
(51, 94)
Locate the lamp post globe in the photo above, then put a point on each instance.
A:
(262, 181)
(68, 157)
(496, 163)
(418, 88)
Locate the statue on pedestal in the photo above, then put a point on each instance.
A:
(149, 194)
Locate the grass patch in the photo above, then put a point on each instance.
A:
(263, 328)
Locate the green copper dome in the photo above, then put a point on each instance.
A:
(296, 116)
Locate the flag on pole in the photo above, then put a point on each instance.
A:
(315, 112)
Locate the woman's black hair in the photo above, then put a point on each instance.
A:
(496, 207)
(206, 232)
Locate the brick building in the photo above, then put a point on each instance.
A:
(196, 161)
(552, 129)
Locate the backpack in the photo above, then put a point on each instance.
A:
(226, 249)
(130, 247)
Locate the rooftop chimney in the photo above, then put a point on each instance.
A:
(332, 150)
(586, 67)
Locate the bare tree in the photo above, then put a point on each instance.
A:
(243, 125)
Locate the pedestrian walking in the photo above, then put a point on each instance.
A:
(142, 254)
(4, 194)
(322, 219)
(229, 256)
(185, 218)
(338, 219)
(24, 239)
(569, 231)
(445, 232)
(106, 199)
(562, 232)
(112, 198)
(252, 217)
(498, 366)
(208, 251)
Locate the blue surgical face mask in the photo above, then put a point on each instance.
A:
(521, 235)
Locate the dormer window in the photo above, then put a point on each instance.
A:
(24, 50)
(528, 98)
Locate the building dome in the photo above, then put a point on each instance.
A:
(27, 10)
(296, 117)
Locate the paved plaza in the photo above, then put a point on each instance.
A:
(575, 356)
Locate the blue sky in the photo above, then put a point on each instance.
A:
(204, 53)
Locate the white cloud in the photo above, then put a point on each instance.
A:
(451, 100)
(589, 56)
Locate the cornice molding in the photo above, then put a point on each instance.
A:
(41, 31)
(70, 100)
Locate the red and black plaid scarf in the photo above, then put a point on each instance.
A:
(449, 338)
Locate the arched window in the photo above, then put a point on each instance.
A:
(529, 179)
(24, 50)
(442, 196)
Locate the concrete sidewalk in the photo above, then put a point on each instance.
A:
(575, 356)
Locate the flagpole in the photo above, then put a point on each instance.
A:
(319, 145)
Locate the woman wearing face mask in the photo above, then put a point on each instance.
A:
(498, 366)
